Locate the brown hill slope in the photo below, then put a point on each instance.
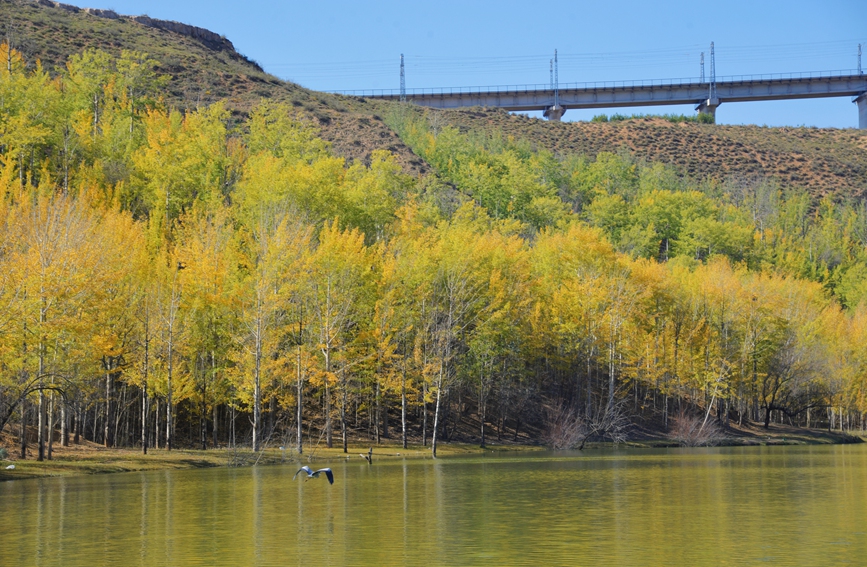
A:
(823, 161)
(203, 67)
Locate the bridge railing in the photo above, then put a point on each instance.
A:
(493, 89)
(785, 76)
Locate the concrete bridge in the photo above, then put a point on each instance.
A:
(705, 96)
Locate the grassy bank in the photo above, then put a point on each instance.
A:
(90, 458)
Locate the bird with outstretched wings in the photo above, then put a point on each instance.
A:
(315, 474)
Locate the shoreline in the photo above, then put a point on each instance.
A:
(90, 458)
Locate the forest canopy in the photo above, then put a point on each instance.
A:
(164, 274)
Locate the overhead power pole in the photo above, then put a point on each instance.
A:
(712, 92)
(859, 59)
(402, 81)
(555, 112)
(556, 82)
(710, 105)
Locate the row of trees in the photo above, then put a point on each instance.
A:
(170, 279)
(257, 319)
(648, 211)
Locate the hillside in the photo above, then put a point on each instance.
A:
(821, 160)
(205, 68)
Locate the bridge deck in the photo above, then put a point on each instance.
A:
(637, 94)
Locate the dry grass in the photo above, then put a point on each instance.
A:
(92, 458)
(824, 161)
(200, 75)
(821, 160)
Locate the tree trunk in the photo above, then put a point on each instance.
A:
(300, 404)
(64, 424)
(588, 405)
(96, 424)
(157, 415)
(256, 386)
(435, 424)
(174, 302)
(482, 419)
(482, 404)
(214, 436)
(76, 411)
(377, 420)
(611, 347)
(440, 381)
(120, 413)
(233, 427)
(41, 420)
(328, 431)
(424, 414)
(80, 423)
(203, 409)
(144, 385)
(106, 437)
(41, 425)
(343, 412)
(50, 424)
(403, 404)
(169, 437)
(144, 421)
(385, 432)
(23, 431)
(272, 412)
(501, 421)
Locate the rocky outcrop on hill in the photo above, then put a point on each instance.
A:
(108, 14)
(207, 38)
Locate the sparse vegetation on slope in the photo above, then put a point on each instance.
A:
(200, 73)
(673, 118)
(822, 161)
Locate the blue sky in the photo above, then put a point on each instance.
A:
(344, 45)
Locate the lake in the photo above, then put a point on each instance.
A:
(794, 505)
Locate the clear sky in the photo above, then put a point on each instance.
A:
(350, 45)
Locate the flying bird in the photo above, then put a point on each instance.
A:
(315, 474)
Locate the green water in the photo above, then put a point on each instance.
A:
(734, 506)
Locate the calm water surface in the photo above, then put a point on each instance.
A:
(734, 506)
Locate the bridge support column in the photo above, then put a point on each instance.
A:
(861, 101)
(554, 113)
(708, 106)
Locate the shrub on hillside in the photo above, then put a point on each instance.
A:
(673, 118)
(567, 428)
(695, 431)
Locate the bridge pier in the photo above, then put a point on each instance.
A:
(554, 113)
(861, 101)
(708, 106)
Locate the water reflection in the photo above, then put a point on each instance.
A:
(788, 506)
